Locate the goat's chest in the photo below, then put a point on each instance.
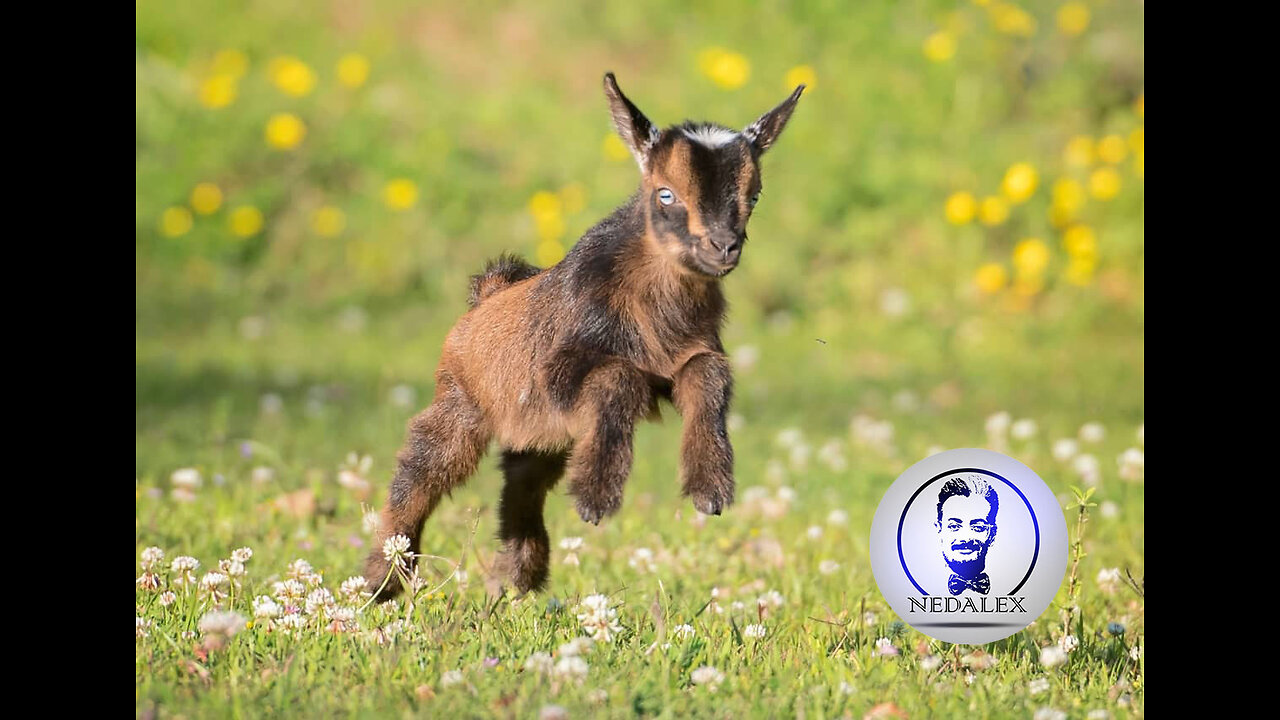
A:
(666, 334)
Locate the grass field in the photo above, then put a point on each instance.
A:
(949, 252)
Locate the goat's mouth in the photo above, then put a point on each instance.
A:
(715, 268)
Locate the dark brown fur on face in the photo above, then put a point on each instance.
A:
(558, 365)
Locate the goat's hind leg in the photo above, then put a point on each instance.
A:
(443, 446)
(526, 548)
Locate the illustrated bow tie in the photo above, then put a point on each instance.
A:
(980, 584)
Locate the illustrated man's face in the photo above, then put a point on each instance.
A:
(966, 531)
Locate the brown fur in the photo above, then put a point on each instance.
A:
(559, 365)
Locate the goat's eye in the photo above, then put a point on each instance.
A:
(666, 197)
(755, 199)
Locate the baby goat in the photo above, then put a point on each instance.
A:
(558, 365)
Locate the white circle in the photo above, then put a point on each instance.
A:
(969, 546)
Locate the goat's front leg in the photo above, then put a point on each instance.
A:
(605, 396)
(701, 390)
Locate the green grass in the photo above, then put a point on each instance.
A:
(283, 350)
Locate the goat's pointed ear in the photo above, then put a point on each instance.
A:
(763, 132)
(638, 134)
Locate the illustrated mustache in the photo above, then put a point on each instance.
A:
(969, 545)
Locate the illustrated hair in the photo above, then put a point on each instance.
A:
(969, 486)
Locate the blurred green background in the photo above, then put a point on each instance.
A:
(951, 226)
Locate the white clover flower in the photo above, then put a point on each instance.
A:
(876, 434)
(775, 472)
(288, 590)
(148, 581)
(270, 404)
(798, 456)
(396, 550)
(451, 678)
(1048, 713)
(1133, 464)
(168, 598)
(242, 555)
(885, 648)
(231, 568)
(906, 401)
(1086, 466)
(1093, 432)
(320, 599)
(786, 494)
(298, 569)
(895, 302)
(1098, 714)
(388, 633)
(1037, 686)
(291, 623)
(1135, 653)
(142, 627)
(773, 598)
(212, 581)
(683, 631)
(754, 631)
(342, 620)
(599, 696)
(868, 618)
(354, 589)
(642, 560)
(151, 557)
(814, 532)
(553, 712)
(1109, 509)
(837, 517)
(745, 358)
(403, 396)
(846, 688)
(828, 567)
(1068, 643)
(735, 422)
(1064, 449)
(370, 522)
(789, 437)
(183, 568)
(598, 619)
(707, 676)
(217, 622)
(265, 608)
(262, 475)
(1024, 429)
(1052, 656)
(831, 454)
(186, 478)
(737, 606)
(570, 543)
(1109, 580)
(572, 668)
(998, 424)
(930, 662)
(540, 663)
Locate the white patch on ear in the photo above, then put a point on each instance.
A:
(712, 137)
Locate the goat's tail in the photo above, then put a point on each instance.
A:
(498, 274)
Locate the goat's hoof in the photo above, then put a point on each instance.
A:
(711, 499)
(593, 510)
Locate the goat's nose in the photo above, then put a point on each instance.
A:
(725, 243)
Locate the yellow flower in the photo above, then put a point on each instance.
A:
(544, 204)
(292, 76)
(218, 91)
(991, 278)
(230, 62)
(245, 221)
(1028, 286)
(328, 221)
(728, 69)
(1068, 193)
(1020, 182)
(1031, 257)
(1012, 20)
(549, 253)
(801, 75)
(940, 46)
(614, 149)
(1104, 183)
(1112, 149)
(960, 208)
(1137, 140)
(573, 198)
(175, 222)
(1079, 151)
(1073, 18)
(993, 210)
(1081, 243)
(353, 70)
(1080, 271)
(1139, 103)
(285, 131)
(206, 198)
(550, 227)
(400, 194)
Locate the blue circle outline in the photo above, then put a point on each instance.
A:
(903, 519)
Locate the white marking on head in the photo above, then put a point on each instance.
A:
(711, 136)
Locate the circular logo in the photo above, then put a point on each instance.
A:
(969, 546)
